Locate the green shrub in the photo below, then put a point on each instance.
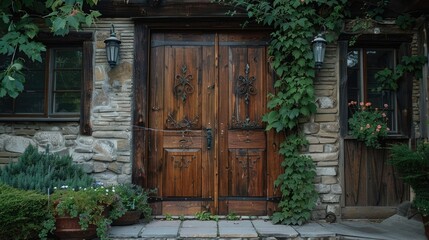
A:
(22, 213)
(43, 171)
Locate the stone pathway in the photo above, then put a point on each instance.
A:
(394, 228)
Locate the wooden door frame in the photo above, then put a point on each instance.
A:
(142, 35)
(394, 40)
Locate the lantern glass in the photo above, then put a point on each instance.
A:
(112, 48)
(112, 52)
(319, 47)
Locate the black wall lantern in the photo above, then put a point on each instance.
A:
(319, 47)
(112, 48)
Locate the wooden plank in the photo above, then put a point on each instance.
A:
(140, 111)
(87, 88)
(184, 142)
(254, 208)
(179, 208)
(156, 120)
(367, 212)
(246, 139)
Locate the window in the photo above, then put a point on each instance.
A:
(357, 67)
(52, 87)
(362, 65)
(59, 88)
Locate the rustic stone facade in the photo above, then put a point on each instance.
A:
(107, 153)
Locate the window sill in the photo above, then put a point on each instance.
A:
(74, 119)
(389, 136)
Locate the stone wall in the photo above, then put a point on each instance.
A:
(107, 153)
(322, 132)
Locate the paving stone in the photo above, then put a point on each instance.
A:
(237, 229)
(198, 229)
(268, 229)
(126, 231)
(313, 230)
(163, 229)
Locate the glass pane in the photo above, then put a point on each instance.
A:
(34, 80)
(6, 105)
(377, 58)
(68, 58)
(67, 80)
(29, 102)
(67, 102)
(353, 59)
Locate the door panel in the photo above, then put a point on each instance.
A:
(243, 83)
(181, 110)
(207, 146)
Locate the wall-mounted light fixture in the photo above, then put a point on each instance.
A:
(112, 48)
(319, 47)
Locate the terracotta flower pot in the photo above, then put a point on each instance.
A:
(129, 218)
(68, 228)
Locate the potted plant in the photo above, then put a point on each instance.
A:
(135, 200)
(413, 167)
(368, 124)
(83, 213)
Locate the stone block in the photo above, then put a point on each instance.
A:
(54, 140)
(328, 179)
(105, 147)
(325, 117)
(115, 167)
(327, 163)
(315, 148)
(330, 198)
(323, 156)
(103, 158)
(312, 140)
(124, 178)
(123, 145)
(330, 127)
(336, 189)
(326, 102)
(17, 144)
(125, 159)
(100, 73)
(330, 148)
(334, 208)
(111, 134)
(311, 128)
(326, 171)
(107, 178)
(99, 167)
(328, 140)
(87, 167)
(322, 188)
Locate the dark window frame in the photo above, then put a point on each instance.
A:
(402, 44)
(84, 40)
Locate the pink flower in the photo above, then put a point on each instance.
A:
(378, 130)
(361, 103)
(383, 115)
(378, 126)
(385, 105)
(367, 125)
(368, 104)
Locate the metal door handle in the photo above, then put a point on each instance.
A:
(209, 138)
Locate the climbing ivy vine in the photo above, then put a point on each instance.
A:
(294, 25)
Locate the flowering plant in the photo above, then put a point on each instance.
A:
(93, 206)
(368, 124)
(134, 197)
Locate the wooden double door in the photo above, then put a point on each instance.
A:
(208, 150)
